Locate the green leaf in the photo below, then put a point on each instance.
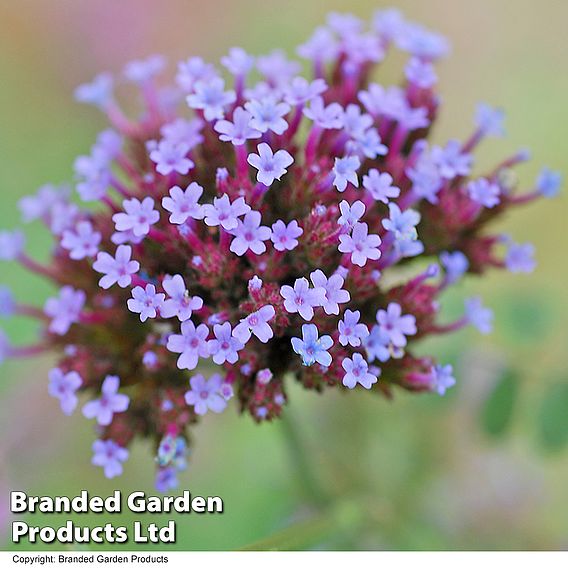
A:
(553, 418)
(497, 410)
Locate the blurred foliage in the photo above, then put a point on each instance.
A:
(553, 418)
(497, 410)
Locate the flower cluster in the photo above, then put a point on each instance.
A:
(238, 235)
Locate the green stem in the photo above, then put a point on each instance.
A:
(297, 537)
(309, 483)
(342, 518)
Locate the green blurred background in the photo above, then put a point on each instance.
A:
(486, 467)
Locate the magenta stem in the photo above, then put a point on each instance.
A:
(31, 311)
(121, 188)
(157, 235)
(450, 327)
(110, 204)
(119, 120)
(37, 268)
(473, 141)
(28, 350)
(312, 143)
(522, 199)
(241, 160)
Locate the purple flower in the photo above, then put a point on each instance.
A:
(39, 206)
(223, 212)
(142, 70)
(411, 118)
(548, 182)
(380, 186)
(98, 92)
(369, 144)
(205, 394)
(378, 100)
(330, 117)
(226, 391)
(396, 325)
(82, 242)
(7, 303)
(312, 348)
(389, 23)
(183, 204)
(455, 264)
(109, 455)
(356, 123)
(192, 71)
(179, 304)
(357, 372)
(63, 216)
(422, 43)
(166, 479)
(110, 402)
(351, 213)
(484, 192)
(264, 376)
(238, 62)
(256, 323)
(489, 120)
(351, 332)
(320, 48)
(377, 344)
(408, 248)
(225, 347)
(267, 114)
(478, 315)
(64, 310)
(360, 245)
(11, 244)
(240, 130)
(402, 224)
(126, 237)
(277, 68)
(5, 347)
(94, 177)
(420, 73)
(285, 237)
(145, 301)
(345, 171)
(108, 146)
(170, 157)
(167, 450)
(345, 25)
(117, 270)
(360, 49)
(139, 216)
(249, 235)
(442, 378)
(254, 284)
(451, 161)
(210, 97)
(150, 360)
(192, 344)
(334, 293)
(426, 178)
(261, 90)
(302, 299)
(183, 131)
(300, 90)
(270, 166)
(64, 386)
(519, 257)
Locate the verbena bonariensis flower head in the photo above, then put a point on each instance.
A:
(237, 235)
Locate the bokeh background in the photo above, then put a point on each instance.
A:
(486, 467)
